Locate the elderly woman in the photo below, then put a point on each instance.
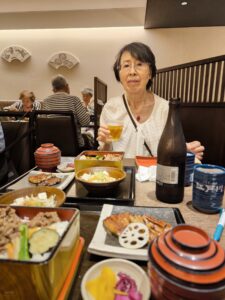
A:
(26, 103)
(87, 100)
(143, 113)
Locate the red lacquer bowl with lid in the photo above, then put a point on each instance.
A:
(184, 263)
(47, 157)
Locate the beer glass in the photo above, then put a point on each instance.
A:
(115, 129)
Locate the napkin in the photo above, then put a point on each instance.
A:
(146, 173)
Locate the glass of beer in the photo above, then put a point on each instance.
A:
(115, 129)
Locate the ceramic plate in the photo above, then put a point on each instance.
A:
(23, 182)
(105, 244)
(118, 265)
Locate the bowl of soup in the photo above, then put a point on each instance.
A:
(100, 179)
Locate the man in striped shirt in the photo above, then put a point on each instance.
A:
(62, 100)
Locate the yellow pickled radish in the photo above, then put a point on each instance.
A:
(102, 287)
(10, 250)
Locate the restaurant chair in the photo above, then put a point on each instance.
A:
(58, 128)
(18, 145)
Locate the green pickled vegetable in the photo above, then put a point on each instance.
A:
(23, 252)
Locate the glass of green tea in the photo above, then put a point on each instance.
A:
(115, 129)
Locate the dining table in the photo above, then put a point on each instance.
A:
(145, 196)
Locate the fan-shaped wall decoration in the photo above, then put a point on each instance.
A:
(63, 59)
(15, 53)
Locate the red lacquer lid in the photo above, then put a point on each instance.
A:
(188, 254)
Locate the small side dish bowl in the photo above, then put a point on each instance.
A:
(8, 198)
(100, 187)
(65, 167)
(118, 265)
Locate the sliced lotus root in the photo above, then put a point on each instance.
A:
(134, 236)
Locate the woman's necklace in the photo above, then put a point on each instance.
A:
(140, 113)
(136, 112)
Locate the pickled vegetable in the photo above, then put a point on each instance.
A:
(102, 287)
(23, 252)
(43, 240)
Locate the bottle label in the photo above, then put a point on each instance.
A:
(167, 174)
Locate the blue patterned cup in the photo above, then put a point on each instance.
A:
(189, 168)
(208, 188)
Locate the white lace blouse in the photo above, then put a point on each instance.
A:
(132, 141)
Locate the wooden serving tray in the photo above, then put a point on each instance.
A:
(124, 194)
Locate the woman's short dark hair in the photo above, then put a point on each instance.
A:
(28, 94)
(141, 52)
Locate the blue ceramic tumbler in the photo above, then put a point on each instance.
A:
(208, 188)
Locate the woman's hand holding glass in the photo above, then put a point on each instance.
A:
(104, 134)
(110, 132)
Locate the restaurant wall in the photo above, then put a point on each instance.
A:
(96, 49)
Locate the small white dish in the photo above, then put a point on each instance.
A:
(118, 265)
(65, 167)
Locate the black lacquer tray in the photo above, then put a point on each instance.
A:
(124, 194)
(89, 220)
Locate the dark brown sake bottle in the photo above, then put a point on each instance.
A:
(171, 157)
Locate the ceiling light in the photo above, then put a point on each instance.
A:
(184, 3)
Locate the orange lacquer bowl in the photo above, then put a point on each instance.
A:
(184, 263)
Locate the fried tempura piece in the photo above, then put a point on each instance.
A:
(115, 224)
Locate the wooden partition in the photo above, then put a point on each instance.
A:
(100, 98)
(201, 81)
(206, 123)
(201, 87)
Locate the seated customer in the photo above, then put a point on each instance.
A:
(26, 103)
(142, 112)
(87, 100)
(61, 100)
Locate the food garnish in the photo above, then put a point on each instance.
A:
(134, 236)
(116, 223)
(106, 286)
(43, 240)
(97, 177)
